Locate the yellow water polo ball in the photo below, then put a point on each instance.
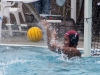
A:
(34, 34)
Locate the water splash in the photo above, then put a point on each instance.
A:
(8, 48)
(43, 31)
(52, 41)
(3, 71)
(13, 61)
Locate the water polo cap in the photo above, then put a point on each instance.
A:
(73, 36)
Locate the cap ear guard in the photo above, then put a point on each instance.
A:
(73, 39)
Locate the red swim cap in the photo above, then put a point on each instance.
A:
(72, 32)
(74, 37)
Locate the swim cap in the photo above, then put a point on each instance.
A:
(74, 37)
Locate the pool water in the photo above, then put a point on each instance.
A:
(25, 60)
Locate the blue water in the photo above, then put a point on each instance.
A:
(42, 61)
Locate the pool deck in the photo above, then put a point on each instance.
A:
(21, 39)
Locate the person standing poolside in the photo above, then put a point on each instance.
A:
(42, 6)
(69, 46)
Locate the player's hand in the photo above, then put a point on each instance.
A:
(44, 23)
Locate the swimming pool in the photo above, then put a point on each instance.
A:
(31, 60)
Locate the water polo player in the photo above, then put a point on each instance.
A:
(69, 45)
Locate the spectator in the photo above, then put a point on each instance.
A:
(42, 6)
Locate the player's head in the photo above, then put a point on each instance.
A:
(71, 38)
